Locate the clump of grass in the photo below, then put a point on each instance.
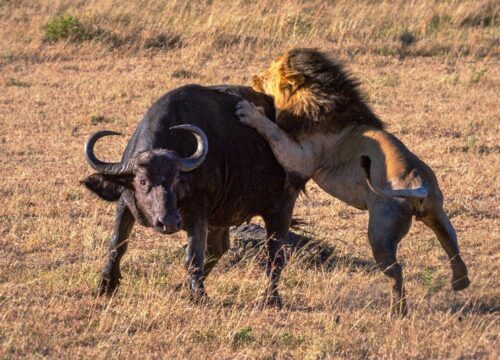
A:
(163, 41)
(69, 27)
(100, 119)
(183, 74)
(222, 41)
(287, 339)
(243, 336)
(386, 51)
(18, 83)
(477, 75)
(452, 79)
(202, 337)
(433, 284)
(433, 25)
(66, 27)
(471, 141)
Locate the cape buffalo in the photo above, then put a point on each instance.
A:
(231, 177)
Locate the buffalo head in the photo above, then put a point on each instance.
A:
(150, 183)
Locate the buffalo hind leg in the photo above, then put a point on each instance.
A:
(389, 222)
(195, 257)
(111, 275)
(438, 221)
(217, 245)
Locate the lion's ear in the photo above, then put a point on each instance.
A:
(295, 80)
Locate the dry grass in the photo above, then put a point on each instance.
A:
(444, 106)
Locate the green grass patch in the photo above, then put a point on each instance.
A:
(386, 51)
(288, 340)
(243, 336)
(70, 28)
(431, 282)
(477, 75)
(66, 27)
(433, 25)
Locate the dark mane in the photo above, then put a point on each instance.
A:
(330, 96)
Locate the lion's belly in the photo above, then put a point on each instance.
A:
(344, 185)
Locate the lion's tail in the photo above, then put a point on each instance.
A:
(416, 193)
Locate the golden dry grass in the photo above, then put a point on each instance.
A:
(439, 95)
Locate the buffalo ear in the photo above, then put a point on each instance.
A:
(106, 187)
(183, 187)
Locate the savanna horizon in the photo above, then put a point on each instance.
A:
(430, 71)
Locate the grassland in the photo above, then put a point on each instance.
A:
(431, 71)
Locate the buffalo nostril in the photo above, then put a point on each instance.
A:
(159, 223)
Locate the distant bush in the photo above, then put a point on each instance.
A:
(183, 74)
(66, 27)
(406, 38)
(163, 42)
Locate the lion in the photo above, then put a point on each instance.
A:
(324, 130)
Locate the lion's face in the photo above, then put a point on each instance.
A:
(280, 81)
(268, 81)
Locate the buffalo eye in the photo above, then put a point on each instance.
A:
(144, 184)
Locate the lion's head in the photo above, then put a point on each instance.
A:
(312, 91)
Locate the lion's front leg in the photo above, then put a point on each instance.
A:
(293, 156)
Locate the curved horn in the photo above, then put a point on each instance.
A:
(195, 160)
(101, 166)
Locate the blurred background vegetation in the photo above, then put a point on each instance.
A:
(454, 28)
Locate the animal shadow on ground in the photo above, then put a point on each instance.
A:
(475, 307)
(249, 245)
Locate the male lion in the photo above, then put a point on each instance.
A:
(325, 131)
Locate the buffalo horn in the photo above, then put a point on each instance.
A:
(101, 166)
(192, 162)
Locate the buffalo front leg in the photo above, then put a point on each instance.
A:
(389, 222)
(195, 257)
(277, 226)
(111, 275)
(217, 245)
(274, 267)
(447, 237)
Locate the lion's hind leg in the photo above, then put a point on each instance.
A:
(438, 221)
(389, 222)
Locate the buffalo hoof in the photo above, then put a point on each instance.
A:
(460, 284)
(273, 301)
(108, 285)
(459, 280)
(197, 291)
(400, 308)
(200, 299)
